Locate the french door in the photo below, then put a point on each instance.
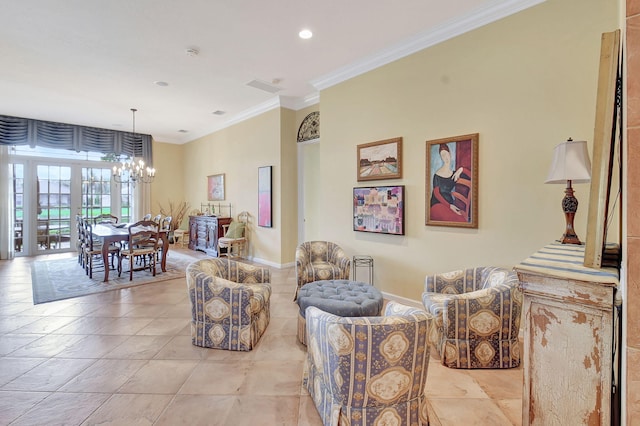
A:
(48, 194)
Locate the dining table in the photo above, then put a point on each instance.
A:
(111, 233)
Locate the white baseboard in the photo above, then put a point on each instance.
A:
(403, 300)
(272, 264)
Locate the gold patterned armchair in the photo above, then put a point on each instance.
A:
(476, 317)
(229, 303)
(320, 260)
(368, 370)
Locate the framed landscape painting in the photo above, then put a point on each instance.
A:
(452, 182)
(380, 160)
(379, 209)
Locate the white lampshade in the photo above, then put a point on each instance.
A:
(570, 162)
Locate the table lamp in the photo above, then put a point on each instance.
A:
(570, 164)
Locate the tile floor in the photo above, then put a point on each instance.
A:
(125, 358)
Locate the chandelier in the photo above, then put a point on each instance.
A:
(131, 170)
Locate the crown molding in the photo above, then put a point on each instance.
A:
(475, 19)
(496, 10)
(297, 104)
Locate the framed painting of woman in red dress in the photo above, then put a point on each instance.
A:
(452, 181)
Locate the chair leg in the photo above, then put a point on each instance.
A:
(119, 265)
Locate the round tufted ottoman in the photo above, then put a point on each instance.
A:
(339, 297)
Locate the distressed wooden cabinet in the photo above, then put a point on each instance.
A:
(204, 232)
(568, 339)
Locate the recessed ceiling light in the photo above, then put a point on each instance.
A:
(305, 34)
(161, 83)
(192, 51)
(183, 131)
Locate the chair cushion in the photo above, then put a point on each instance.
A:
(236, 230)
(341, 297)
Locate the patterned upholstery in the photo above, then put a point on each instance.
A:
(320, 260)
(229, 303)
(369, 370)
(476, 317)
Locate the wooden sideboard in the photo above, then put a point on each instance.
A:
(204, 232)
(569, 335)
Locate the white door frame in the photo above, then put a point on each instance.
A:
(301, 180)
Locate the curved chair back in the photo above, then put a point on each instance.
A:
(230, 303)
(363, 367)
(320, 260)
(477, 317)
(105, 218)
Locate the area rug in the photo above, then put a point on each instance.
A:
(64, 278)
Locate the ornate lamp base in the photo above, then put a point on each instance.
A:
(570, 207)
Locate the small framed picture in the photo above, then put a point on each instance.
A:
(380, 160)
(452, 182)
(215, 187)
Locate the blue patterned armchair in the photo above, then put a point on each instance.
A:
(368, 370)
(476, 317)
(320, 260)
(229, 303)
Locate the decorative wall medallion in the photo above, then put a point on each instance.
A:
(310, 127)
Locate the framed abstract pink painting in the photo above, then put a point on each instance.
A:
(264, 196)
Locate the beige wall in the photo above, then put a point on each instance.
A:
(525, 84)
(238, 151)
(169, 184)
(289, 185)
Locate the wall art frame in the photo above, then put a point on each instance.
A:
(379, 209)
(264, 197)
(380, 160)
(451, 189)
(215, 187)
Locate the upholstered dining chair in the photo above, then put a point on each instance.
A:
(476, 317)
(320, 260)
(230, 303)
(369, 370)
(142, 244)
(235, 238)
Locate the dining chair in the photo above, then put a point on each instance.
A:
(142, 244)
(92, 249)
(165, 226)
(105, 218)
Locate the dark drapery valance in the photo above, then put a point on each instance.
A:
(27, 131)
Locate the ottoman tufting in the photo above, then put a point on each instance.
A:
(339, 297)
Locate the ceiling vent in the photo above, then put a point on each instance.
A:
(263, 85)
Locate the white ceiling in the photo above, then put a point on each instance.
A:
(88, 62)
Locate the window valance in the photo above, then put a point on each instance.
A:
(28, 131)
